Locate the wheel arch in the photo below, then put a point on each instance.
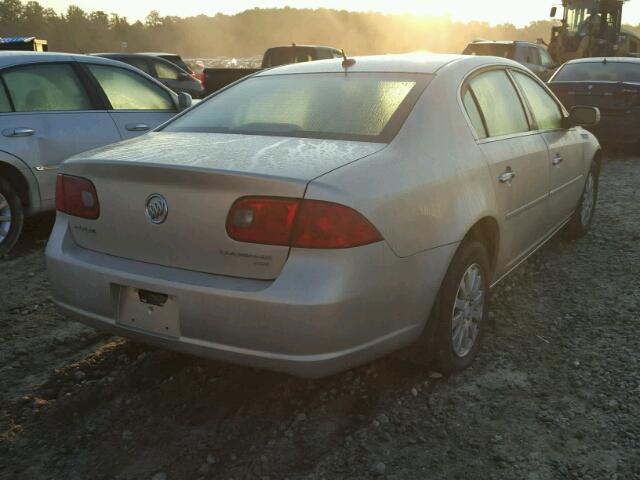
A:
(486, 231)
(597, 159)
(22, 180)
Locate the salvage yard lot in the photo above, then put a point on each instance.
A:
(555, 392)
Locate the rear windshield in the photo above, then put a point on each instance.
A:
(355, 106)
(599, 72)
(275, 57)
(490, 50)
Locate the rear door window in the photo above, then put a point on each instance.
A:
(177, 60)
(474, 114)
(533, 56)
(46, 88)
(5, 104)
(546, 111)
(126, 90)
(499, 103)
(546, 59)
(141, 64)
(164, 71)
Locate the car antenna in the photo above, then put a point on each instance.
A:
(347, 62)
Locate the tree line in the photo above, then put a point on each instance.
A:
(250, 32)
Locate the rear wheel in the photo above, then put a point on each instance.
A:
(462, 308)
(11, 217)
(582, 219)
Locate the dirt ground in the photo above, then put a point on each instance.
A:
(553, 395)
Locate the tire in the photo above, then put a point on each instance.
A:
(457, 342)
(11, 217)
(582, 219)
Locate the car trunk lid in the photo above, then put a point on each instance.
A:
(608, 96)
(199, 176)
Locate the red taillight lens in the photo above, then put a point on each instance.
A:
(298, 223)
(77, 196)
(330, 225)
(262, 220)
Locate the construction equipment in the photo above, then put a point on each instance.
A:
(592, 28)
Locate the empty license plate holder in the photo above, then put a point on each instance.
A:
(149, 311)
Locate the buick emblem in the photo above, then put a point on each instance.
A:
(157, 209)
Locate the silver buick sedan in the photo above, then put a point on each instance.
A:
(317, 216)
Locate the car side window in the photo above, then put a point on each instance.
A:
(534, 53)
(545, 109)
(475, 116)
(5, 104)
(139, 63)
(126, 90)
(166, 72)
(546, 59)
(499, 103)
(46, 88)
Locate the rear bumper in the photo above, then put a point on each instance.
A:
(326, 312)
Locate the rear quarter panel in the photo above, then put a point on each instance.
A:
(430, 185)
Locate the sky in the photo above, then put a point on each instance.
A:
(518, 12)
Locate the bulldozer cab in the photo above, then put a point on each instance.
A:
(591, 28)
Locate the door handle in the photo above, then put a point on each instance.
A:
(507, 176)
(557, 160)
(18, 132)
(136, 127)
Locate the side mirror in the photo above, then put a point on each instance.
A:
(184, 101)
(554, 11)
(583, 116)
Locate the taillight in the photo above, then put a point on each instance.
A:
(77, 196)
(299, 223)
(198, 76)
(330, 225)
(262, 220)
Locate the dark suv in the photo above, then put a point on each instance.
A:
(534, 56)
(161, 69)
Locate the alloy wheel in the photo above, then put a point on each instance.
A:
(5, 218)
(588, 200)
(468, 310)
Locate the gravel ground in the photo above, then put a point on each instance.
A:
(553, 395)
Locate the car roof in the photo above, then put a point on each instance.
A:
(155, 58)
(423, 63)
(158, 54)
(503, 42)
(602, 60)
(122, 54)
(323, 47)
(10, 58)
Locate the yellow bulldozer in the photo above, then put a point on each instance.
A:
(592, 28)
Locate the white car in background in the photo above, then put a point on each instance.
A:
(53, 106)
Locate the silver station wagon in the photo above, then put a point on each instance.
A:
(317, 216)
